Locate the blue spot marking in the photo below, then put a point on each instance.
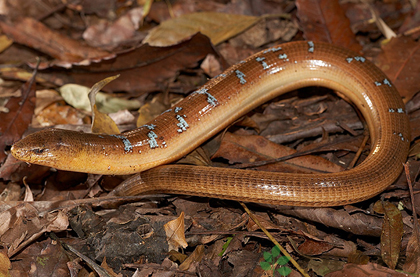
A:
(210, 98)
(183, 125)
(283, 57)
(274, 49)
(128, 147)
(263, 63)
(152, 139)
(241, 76)
(385, 82)
(356, 58)
(311, 46)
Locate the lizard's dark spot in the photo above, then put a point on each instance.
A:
(38, 151)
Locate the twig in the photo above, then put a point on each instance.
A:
(253, 217)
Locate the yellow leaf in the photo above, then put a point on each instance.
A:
(217, 26)
(5, 42)
(5, 265)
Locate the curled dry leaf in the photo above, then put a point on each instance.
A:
(23, 224)
(101, 123)
(175, 233)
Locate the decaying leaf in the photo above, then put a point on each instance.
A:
(412, 263)
(392, 231)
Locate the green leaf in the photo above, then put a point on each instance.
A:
(268, 257)
(284, 271)
(265, 265)
(275, 251)
(225, 246)
(283, 260)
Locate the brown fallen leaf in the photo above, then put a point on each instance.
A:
(175, 233)
(367, 270)
(412, 263)
(23, 224)
(392, 232)
(109, 35)
(16, 121)
(144, 69)
(400, 60)
(325, 20)
(196, 256)
(65, 50)
(249, 149)
(217, 26)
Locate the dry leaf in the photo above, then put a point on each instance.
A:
(392, 232)
(412, 263)
(195, 256)
(67, 51)
(101, 123)
(5, 42)
(400, 61)
(325, 20)
(5, 265)
(175, 233)
(77, 96)
(382, 26)
(150, 110)
(217, 26)
(110, 35)
(250, 149)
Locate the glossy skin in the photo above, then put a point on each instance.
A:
(214, 106)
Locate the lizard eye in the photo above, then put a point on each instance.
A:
(38, 151)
